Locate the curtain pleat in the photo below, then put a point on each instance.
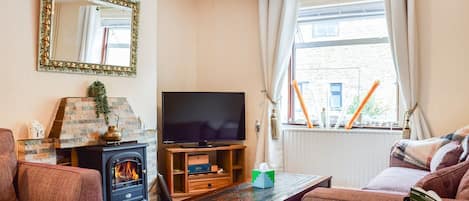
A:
(402, 28)
(277, 24)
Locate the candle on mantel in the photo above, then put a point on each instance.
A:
(302, 103)
(362, 105)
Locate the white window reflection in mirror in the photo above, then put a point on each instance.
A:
(91, 32)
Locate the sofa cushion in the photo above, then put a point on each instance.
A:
(6, 182)
(62, 183)
(397, 179)
(447, 155)
(463, 188)
(445, 181)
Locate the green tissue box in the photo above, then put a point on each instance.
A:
(263, 178)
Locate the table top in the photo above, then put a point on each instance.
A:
(287, 185)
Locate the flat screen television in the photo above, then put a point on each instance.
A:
(201, 117)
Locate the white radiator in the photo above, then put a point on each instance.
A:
(352, 157)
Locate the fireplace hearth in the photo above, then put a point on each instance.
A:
(122, 167)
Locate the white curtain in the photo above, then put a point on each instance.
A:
(91, 34)
(401, 18)
(277, 23)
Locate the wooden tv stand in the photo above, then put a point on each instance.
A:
(231, 158)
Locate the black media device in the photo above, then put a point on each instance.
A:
(202, 117)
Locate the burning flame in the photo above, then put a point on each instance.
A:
(125, 172)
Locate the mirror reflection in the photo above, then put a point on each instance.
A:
(91, 32)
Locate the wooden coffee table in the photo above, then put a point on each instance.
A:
(287, 186)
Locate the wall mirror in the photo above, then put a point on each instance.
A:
(89, 36)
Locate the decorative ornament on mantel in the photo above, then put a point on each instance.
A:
(35, 130)
(113, 133)
(98, 92)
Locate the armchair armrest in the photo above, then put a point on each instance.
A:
(335, 194)
(57, 183)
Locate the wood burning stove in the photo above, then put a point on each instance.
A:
(122, 167)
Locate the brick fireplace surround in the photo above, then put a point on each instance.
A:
(76, 126)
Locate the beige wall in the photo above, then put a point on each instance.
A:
(212, 45)
(444, 41)
(177, 43)
(177, 53)
(228, 56)
(27, 94)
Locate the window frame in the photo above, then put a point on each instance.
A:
(343, 42)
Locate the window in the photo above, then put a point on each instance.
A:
(339, 51)
(325, 29)
(117, 37)
(336, 96)
(117, 47)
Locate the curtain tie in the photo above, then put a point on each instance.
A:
(269, 97)
(406, 126)
(274, 124)
(411, 110)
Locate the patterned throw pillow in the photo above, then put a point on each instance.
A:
(460, 135)
(418, 152)
(446, 156)
(465, 148)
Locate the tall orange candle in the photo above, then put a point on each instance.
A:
(362, 105)
(302, 103)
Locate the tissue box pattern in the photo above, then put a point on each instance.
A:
(263, 179)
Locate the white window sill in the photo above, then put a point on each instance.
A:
(341, 130)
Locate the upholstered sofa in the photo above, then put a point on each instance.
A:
(394, 183)
(26, 181)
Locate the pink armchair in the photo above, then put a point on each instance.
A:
(41, 182)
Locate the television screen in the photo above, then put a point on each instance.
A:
(203, 116)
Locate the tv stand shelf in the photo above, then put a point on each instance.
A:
(182, 184)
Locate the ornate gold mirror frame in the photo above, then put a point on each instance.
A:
(46, 63)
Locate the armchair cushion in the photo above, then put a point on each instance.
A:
(6, 183)
(445, 181)
(7, 165)
(40, 182)
(396, 179)
(7, 149)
